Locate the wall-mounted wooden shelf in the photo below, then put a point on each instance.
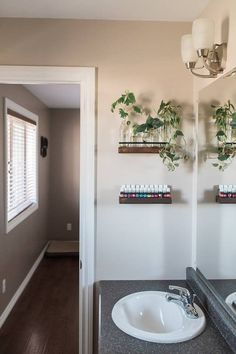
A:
(123, 200)
(222, 200)
(140, 148)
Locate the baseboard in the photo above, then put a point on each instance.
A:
(21, 288)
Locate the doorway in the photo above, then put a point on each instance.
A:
(85, 77)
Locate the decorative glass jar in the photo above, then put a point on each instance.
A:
(126, 132)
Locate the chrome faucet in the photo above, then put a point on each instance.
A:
(185, 299)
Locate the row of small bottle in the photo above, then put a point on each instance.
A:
(227, 191)
(145, 191)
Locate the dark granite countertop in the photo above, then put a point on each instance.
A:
(111, 340)
(224, 287)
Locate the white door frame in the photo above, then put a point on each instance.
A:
(86, 78)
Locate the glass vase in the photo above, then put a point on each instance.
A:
(147, 138)
(126, 132)
(165, 133)
(156, 138)
(228, 131)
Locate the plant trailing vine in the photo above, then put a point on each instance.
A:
(172, 152)
(225, 121)
(166, 120)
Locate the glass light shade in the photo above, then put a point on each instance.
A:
(203, 32)
(188, 52)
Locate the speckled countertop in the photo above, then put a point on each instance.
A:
(224, 287)
(110, 340)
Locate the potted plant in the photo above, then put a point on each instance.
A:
(225, 121)
(167, 122)
(127, 108)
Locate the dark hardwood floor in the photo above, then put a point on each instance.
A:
(45, 319)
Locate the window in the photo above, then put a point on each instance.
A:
(21, 146)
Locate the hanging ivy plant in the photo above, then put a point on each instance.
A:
(168, 119)
(225, 121)
(172, 152)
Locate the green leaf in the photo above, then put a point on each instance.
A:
(233, 124)
(215, 164)
(234, 115)
(223, 157)
(219, 111)
(130, 98)
(121, 99)
(157, 123)
(162, 105)
(113, 106)
(149, 122)
(233, 121)
(220, 134)
(140, 128)
(230, 104)
(122, 113)
(178, 133)
(137, 109)
(171, 156)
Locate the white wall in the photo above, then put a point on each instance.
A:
(216, 242)
(216, 223)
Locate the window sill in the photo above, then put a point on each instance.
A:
(21, 217)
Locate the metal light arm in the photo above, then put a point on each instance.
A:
(208, 76)
(213, 61)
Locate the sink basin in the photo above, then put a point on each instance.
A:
(231, 301)
(149, 316)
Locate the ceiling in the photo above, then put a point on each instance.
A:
(156, 10)
(57, 96)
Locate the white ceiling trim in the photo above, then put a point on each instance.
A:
(148, 10)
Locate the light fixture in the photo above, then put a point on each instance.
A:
(199, 47)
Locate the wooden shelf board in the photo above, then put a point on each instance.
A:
(123, 200)
(225, 200)
(139, 149)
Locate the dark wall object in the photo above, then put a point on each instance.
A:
(43, 146)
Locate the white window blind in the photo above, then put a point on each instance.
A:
(21, 163)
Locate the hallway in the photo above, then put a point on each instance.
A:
(45, 319)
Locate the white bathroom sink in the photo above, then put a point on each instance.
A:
(230, 300)
(149, 316)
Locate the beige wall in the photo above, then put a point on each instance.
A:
(64, 174)
(136, 242)
(20, 247)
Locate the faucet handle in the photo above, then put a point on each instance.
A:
(193, 297)
(182, 291)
